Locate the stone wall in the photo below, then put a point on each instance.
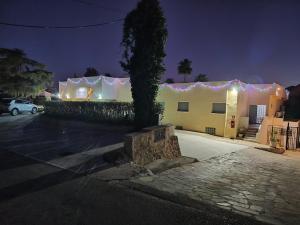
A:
(152, 143)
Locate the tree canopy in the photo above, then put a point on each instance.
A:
(201, 78)
(91, 72)
(20, 75)
(292, 105)
(144, 39)
(185, 68)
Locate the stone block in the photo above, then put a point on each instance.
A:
(152, 143)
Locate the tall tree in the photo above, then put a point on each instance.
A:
(292, 105)
(185, 68)
(91, 72)
(22, 76)
(201, 78)
(144, 39)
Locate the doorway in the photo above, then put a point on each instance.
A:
(257, 113)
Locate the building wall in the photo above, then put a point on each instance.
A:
(231, 113)
(200, 101)
(124, 93)
(109, 89)
(103, 88)
(62, 88)
(242, 110)
(200, 113)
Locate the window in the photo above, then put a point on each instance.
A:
(81, 92)
(219, 108)
(183, 107)
(210, 130)
(19, 102)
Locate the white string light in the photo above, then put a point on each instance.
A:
(115, 81)
(240, 85)
(122, 81)
(105, 79)
(84, 79)
(63, 83)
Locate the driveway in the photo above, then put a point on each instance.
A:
(51, 140)
(252, 182)
(198, 146)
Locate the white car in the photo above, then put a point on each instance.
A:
(18, 106)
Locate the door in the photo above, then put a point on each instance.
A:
(261, 113)
(19, 104)
(257, 113)
(27, 106)
(253, 114)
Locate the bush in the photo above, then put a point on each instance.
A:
(39, 100)
(111, 112)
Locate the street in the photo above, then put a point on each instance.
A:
(35, 193)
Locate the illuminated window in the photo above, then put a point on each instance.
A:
(219, 108)
(183, 107)
(81, 92)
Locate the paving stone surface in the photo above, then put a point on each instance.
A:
(262, 185)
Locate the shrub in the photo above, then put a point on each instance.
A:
(39, 100)
(111, 112)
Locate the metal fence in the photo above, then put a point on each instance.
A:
(288, 138)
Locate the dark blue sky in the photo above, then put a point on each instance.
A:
(255, 41)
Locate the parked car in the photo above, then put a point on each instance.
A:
(16, 106)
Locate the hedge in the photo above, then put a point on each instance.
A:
(111, 112)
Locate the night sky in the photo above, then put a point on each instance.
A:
(255, 41)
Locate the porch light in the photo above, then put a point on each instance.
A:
(58, 95)
(235, 90)
(99, 96)
(67, 96)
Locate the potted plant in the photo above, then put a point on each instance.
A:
(273, 141)
(241, 132)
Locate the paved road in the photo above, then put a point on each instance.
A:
(47, 139)
(252, 182)
(33, 193)
(195, 145)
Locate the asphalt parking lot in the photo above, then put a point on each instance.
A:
(45, 139)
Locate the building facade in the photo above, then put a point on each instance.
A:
(218, 108)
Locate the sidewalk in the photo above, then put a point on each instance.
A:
(223, 139)
(258, 184)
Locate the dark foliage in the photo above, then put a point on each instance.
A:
(39, 100)
(292, 105)
(108, 75)
(91, 72)
(201, 78)
(185, 68)
(169, 81)
(21, 76)
(111, 112)
(144, 39)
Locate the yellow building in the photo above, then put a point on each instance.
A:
(218, 108)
